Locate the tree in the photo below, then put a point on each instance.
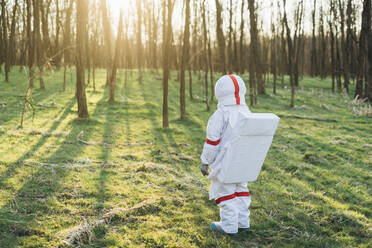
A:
(167, 34)
(220, 38)
(241, 40)
(205, 55)
(273, 51)
(4, 39)
(290, 54)
(345, 51)
(314, 61)
(81, 29)
(332, 42)
(365, 54)
(31, 42)
(107, 31)
(112, 82)
(230, 42)
(184, 60)
(67, 42)
(139, 40)
(323, 45)
(255, 48)
(38, 42)
(10, 45)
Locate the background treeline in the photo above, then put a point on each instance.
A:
(332, 39)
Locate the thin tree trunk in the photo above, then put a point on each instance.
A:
(290, 55)
(241, 49)
(5, 39)
(139, 40)
(205, 58)
(107, 33)
(314, 61)
(345, 52)
(332, 41)
(220, 37)
(112, 82)
(184, 60)
(11, 46)
(167, 34)
(38, 41)
(81, 29)
(255, 47)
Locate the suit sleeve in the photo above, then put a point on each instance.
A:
(214, 134)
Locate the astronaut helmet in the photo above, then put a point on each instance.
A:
(230, 90)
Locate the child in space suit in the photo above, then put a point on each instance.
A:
(233, 198)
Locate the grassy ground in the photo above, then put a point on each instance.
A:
(126, 182)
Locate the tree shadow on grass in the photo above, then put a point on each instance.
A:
(13, 108)
(13, 167)
(111, 122)
(34, 200)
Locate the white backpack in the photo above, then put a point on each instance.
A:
(245, 152)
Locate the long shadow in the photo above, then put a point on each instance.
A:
(12, 168)
(338, 171)
(156, 127)
(126, 91)
(111, 119)
(14, 87)
(19, 215)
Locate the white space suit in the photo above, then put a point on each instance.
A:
(232, 198)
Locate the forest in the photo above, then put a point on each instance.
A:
(104, 106)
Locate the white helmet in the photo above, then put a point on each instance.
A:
(230, 90)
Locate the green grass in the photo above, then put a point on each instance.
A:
(314, 191)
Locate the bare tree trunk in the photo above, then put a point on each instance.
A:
(167, 34)
(81, 29)
(314, 61)
(56, 42)
(5, 39)
(284, 64)
(210, 62)
(154, 38)
(31, 42)
(67, 42)
(11, 45)
(368, 88)
(297, 41)
(205, 58)
(273, 59)
(290, 54)
(255, 47)
(38, 41)
(241, 49)
(323, 72)
(139, 40)
(338, 62)
(345, 52)
(332, 41)
(229, 46)
(184, 60)
(220, 38)
(365, 54)
(112, 82)
(107, 36)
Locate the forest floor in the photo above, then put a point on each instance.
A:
(119, 180)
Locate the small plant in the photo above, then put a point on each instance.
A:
(361, 107)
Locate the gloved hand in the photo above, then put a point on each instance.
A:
(204, 169)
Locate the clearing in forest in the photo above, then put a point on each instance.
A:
(119, 180)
